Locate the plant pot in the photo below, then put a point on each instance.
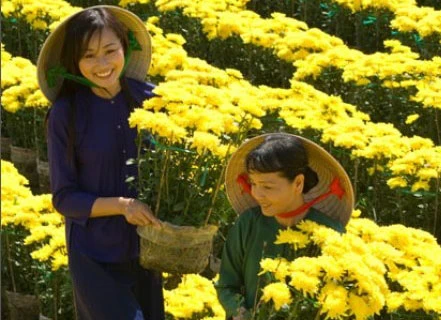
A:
(176, 249)
(22, 306)
(24, 160)
(6, 148)
(43, 176)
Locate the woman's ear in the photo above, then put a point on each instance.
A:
(298, 184)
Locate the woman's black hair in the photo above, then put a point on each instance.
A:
(284, 154)
(79, 31)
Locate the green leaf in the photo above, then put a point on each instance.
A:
(178, 206)
(130, 179)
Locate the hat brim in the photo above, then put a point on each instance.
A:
(50, 52)
(323, 163)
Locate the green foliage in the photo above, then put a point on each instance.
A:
(389, 105)
(20, 127)
(430, 3)
(20, 39)
(405, 315)
(257, 64)
(182, 185)
(20, 273)
(40, 134)
(364, 30)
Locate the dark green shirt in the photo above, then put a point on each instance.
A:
(250, 239)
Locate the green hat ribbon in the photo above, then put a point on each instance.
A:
(133, 45)
(59, 71)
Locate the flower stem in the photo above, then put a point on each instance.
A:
(161, 182)
(438, 131)
(11, 268)
(317, 316)
(435, 218)
(218, 185)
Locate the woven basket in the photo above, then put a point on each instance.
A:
(43, 176)
(24, 159)
(176, 249)
(5, 148)
(25, 156)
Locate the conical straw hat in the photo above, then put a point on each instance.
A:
(50, 53)
(319, 160)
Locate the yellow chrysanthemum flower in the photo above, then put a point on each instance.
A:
(277, 292)
(333, 301)
(297, 239)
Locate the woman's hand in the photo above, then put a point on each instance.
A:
(138, 213)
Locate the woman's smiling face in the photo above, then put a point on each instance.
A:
(103, 62)
(276, 194)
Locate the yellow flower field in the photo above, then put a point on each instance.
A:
(361, 78)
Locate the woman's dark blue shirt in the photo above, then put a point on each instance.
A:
(104, 143)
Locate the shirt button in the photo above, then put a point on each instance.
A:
(124, 151)
(112, 102)
(118, 126)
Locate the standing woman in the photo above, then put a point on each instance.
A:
(273, 182)
(92, 68)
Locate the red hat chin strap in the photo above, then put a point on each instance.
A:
(242, 180)
(335, 188)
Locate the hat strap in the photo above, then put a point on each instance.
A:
(335, 188)
(133, 45)
(59, 71)
(242, 180)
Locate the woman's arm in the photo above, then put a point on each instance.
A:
(67, 197)
(230, 285)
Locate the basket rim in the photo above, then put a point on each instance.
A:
(168, 230)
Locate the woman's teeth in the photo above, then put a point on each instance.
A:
(104, 74)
